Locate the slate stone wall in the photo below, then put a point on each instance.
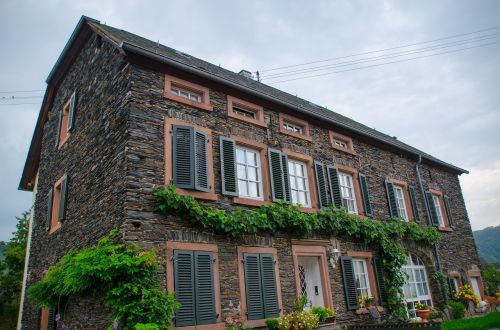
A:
(93, 158)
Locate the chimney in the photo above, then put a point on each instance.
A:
(246, 74)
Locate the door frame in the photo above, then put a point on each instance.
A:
(313, 251)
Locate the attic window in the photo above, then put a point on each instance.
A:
(187, 93)
(245, 111)
(295, 127)
(342, 143)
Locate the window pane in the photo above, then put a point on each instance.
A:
(252, 173)
(253, 189)
(252, 158)
(242, 186)
(240, 155)
(241, 172)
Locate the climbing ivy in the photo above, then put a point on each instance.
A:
(279, 216)
(125, 273)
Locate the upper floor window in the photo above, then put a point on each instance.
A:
(400, 201)
(341, 142)
(440, 209)
(66, 120)
(416, 289)
(439, 213)
(186, 92)
(245, 111)
(347, 192)
(249, 173)
(299, 184)
(56, 204)
(295, 127)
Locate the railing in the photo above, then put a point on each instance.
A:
(399, 326)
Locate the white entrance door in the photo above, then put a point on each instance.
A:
(475, 287)
(310, 281)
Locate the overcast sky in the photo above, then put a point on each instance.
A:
(446, 105)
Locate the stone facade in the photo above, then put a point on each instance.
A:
(115, 159)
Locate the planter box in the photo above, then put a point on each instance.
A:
(400, 326)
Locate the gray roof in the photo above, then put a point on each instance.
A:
(130, 42)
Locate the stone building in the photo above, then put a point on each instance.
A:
(123, 115)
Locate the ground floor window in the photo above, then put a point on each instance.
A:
(362, 281)
(416, 289)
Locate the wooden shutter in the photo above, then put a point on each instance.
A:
(228, 166)
(447, 206)
(184, 287)
(201, 174)
(413, 200)
(276, 173)
(204, 284)
(365, 194)
(432, 208)
(62, 199)
(321, 184)
(50, 197)
(351, 295)
(253, 286)
(183, 156)
(286, 177)
(393, 206)
(334, 185)
(58, 128)
(379, 274)
(269, 289)
(72, 112)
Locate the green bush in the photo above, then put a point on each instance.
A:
(300, 303)
(322, 312)
(457, 310)
(272, 324)
(304, 320)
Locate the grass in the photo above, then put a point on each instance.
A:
(490, 321)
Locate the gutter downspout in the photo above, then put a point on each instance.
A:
(429, 222)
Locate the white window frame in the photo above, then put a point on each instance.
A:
(454, 280)
(415, 271)
(340, 144)
(346, 182)
(294, 180)
(246, 180)
(293, 127)
(359, 289)
(399, 194)
(240, 111)
(437, 205)
(188, 94)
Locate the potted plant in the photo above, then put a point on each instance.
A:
(422, 311)
(369, 301)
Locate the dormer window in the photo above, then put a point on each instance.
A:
(294, 127)
(193, 96)
(342, 143)
(245, 111)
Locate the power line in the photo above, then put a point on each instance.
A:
(17, 104)
(380, 50)
(13, 97)
(379, 57)
(380, 64)
(26, 91)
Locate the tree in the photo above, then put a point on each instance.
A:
(11, 272)
(491, 277)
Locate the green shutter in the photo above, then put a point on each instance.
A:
(253, 287)
(379, 274)
(351, 295)
(50, 197)
(391, 198)
(205, 293)
(269, 289)
(72, 110)
(201, 174)
(58, 128)
(276, 172)
(333, 182)
(321, 184)
(447, 206)
(365, 194)
(286, 177)
(432, 209)
(184, 287)
(62, 199)
(413, 201)
(228, 166)
(51, 323)
(183, 156)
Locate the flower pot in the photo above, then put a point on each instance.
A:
(369, 305)
(423, 314)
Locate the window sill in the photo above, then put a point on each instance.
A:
(247, 120)
(54, 229)
(63, 141)
(308, 209)
(207, 196)
(216, 326)
(249, 201)
(297, 135)
(347, 151)
(202, 106)
(445, 229)
(364, 310)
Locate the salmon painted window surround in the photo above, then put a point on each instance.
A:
(297, 158)
(342, 143)
(44, 318)
(63, 129)
(353, 173)
(438, 199)
(245, 111)
(186, 92)
(368, 272)
(294, 127)
(210, 195)
(56, 205)
(403, 199)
